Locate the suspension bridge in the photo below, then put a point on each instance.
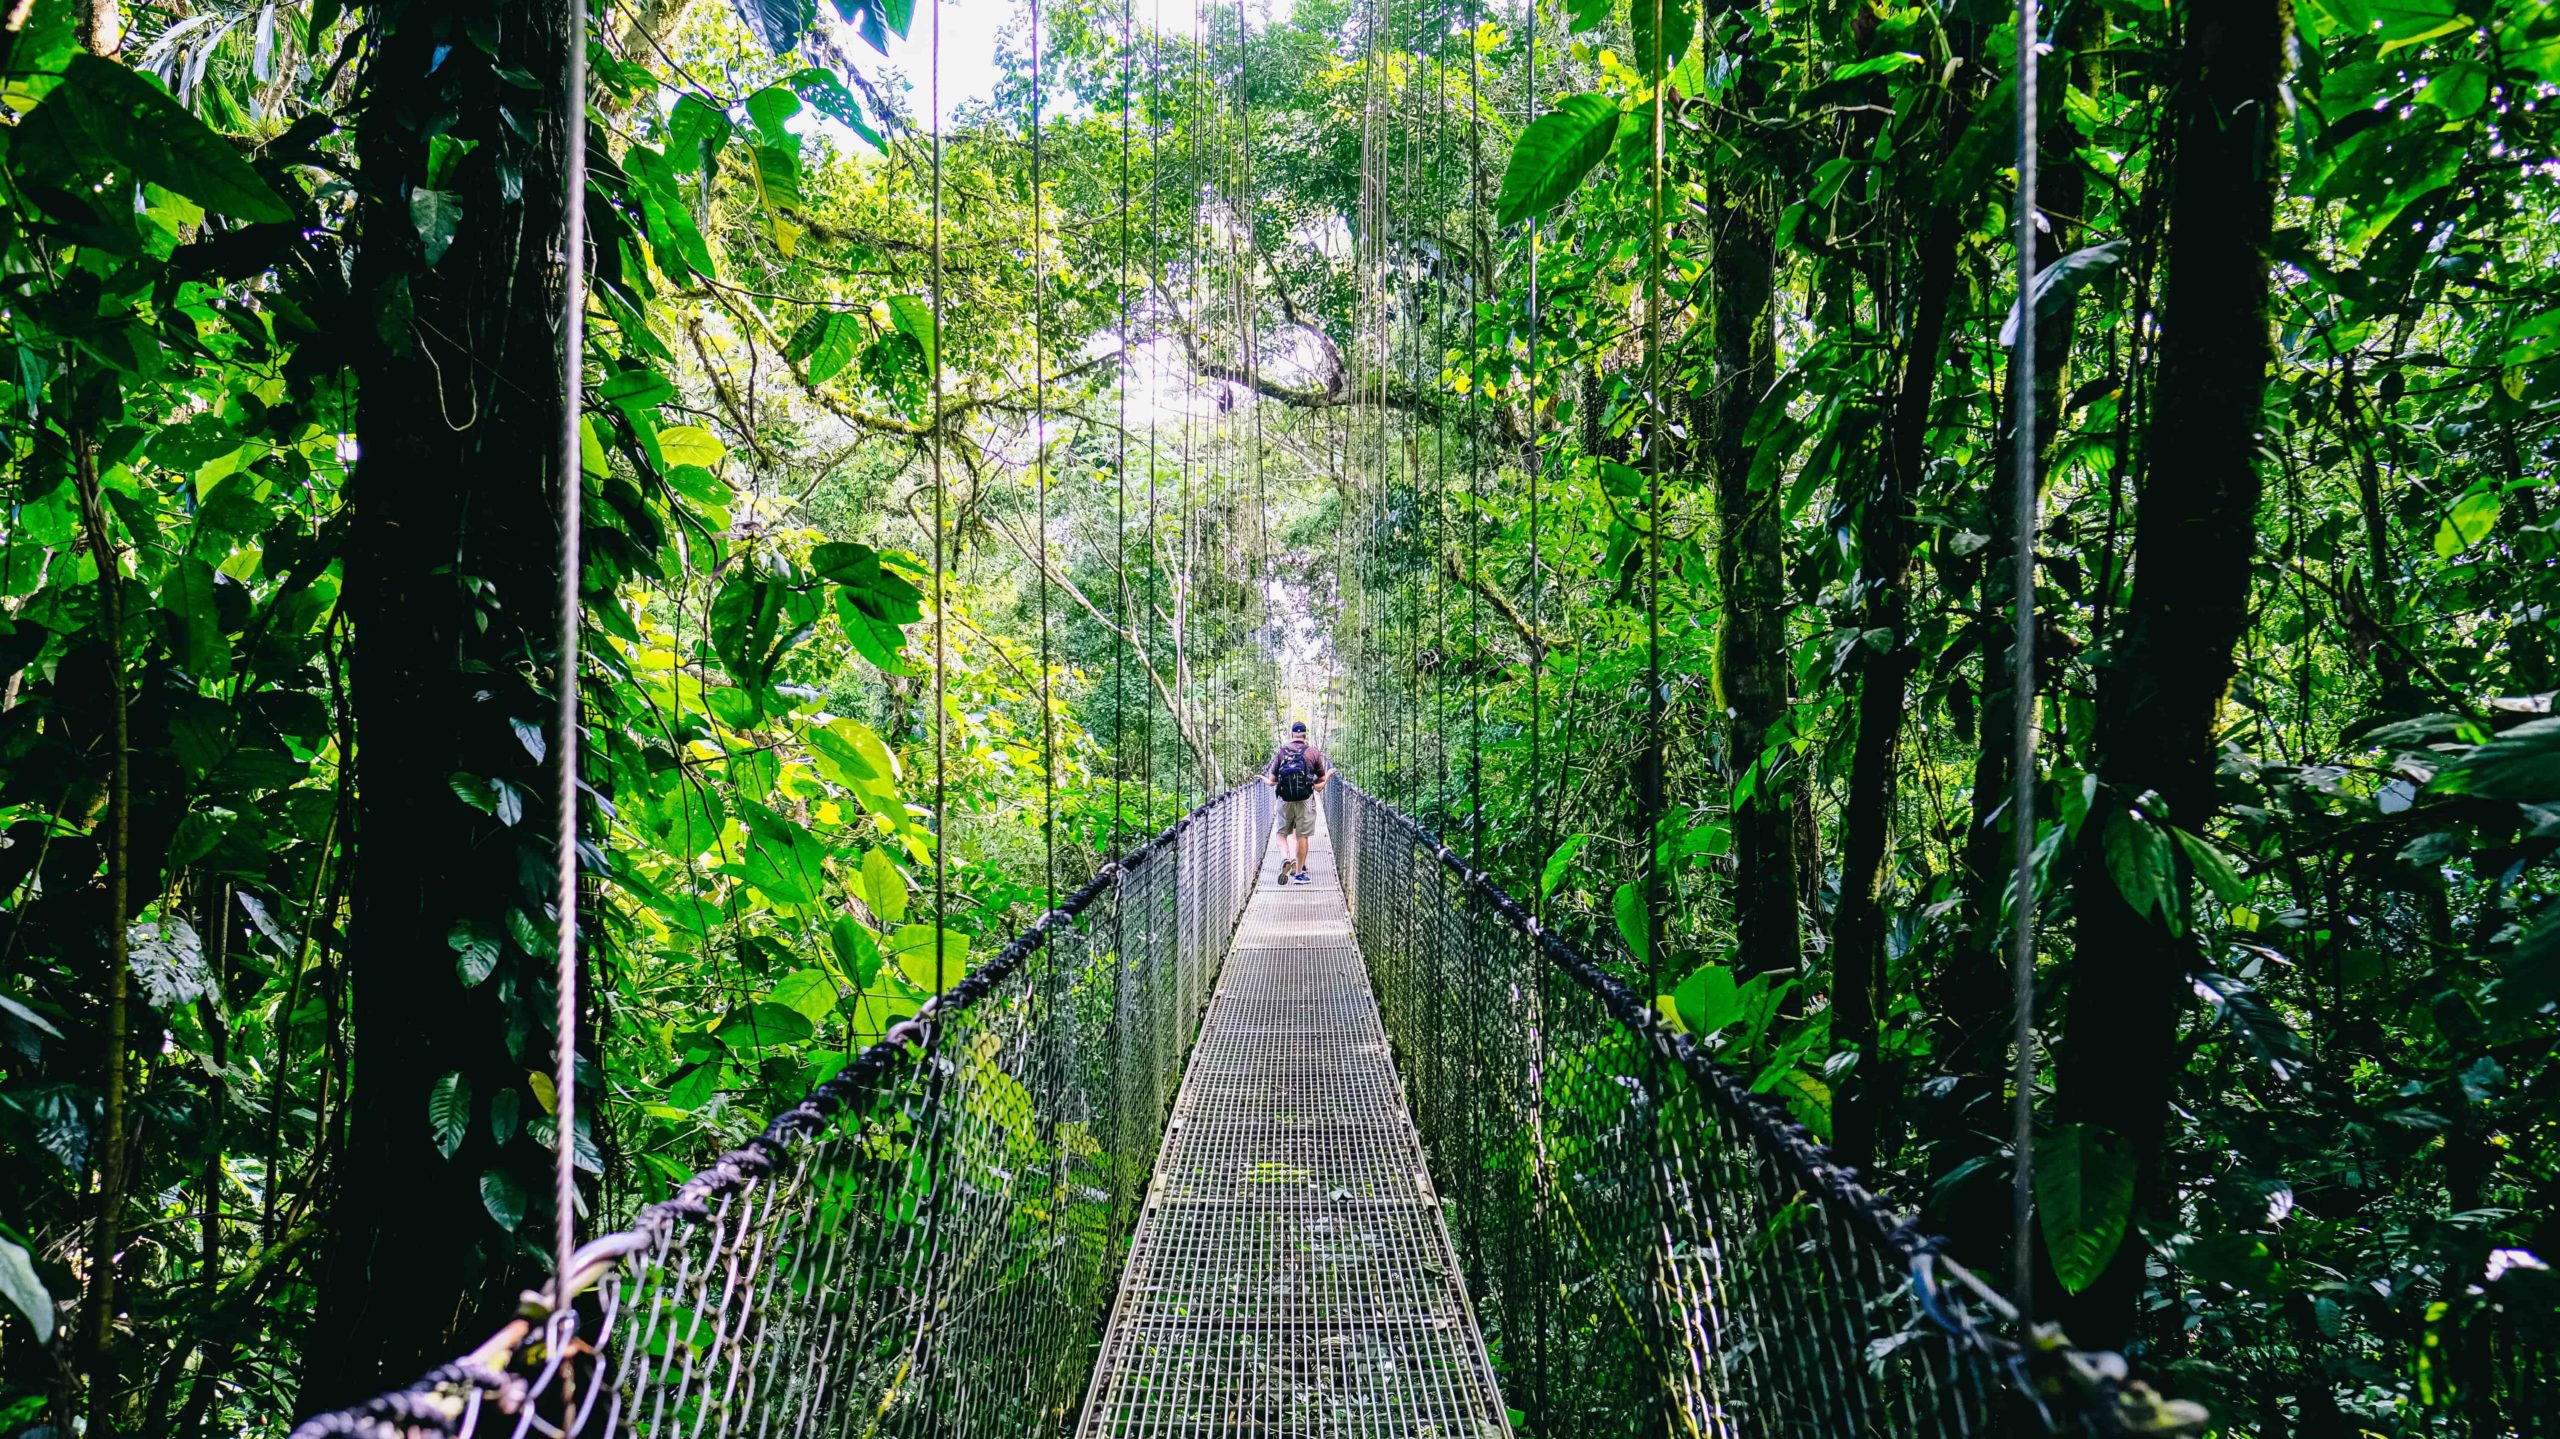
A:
(1198, 1155)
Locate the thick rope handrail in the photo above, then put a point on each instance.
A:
(2068, 1387)
(447, 1397)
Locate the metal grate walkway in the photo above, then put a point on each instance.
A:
(1292, 1275)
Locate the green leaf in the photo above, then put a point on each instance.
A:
(503, 1196)
(449, 1112)
(884, 886)
(763, 1025)
(826, 343)
(779, 25)
(2062, 279)
(2522, 765)
(2257, 1024)
(20, 1285)
(827, 94)
(188, 597)
(2532, 340)
(637, 391)
(2084, 1198)
(1627, 908)
(1657, 54)
(2138, 858)
(506, 1114)
(808, 992)
(1708, 1000)
(855, 948)
(1558, 864)
(783, 859)
(693, 1086)
(436, 214)
(2214, 867)
(913, 316)
(1884, 64)
(2469, 522)
(104, 109)
(1553, 154)
(772, 108)
(690, 445)
(474, 951)
(911, 948)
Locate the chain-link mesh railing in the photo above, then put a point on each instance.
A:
(927, 1245)
(1652, 1247)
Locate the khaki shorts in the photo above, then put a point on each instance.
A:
(1297, 816)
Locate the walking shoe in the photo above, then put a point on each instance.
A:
(1305, 878)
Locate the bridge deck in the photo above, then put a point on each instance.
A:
(1292, 1275)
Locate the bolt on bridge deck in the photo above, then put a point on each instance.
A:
(1292, 1275)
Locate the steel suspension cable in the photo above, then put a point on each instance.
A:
(1537, 460)
(1040, 478)
(1651, 794)
(941, 520)
(573, 336)
(2022, 698)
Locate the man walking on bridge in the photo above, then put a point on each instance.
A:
(1297, 771)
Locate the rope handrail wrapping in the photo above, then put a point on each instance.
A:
(925, 1244)
(1650, 1243)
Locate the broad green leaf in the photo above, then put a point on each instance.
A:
(2258, 1025)
(2532, 340)
(808, 992)
(1554, 153)
(828, 95)
(1627, 908)
(855, 948)
(779, 25)
(1884, 64)
(772, 108)
(1708, 999)
(2468, 522)
(2084, 1197)
(763, 1025)
(826, 343)
(913, 316)
(690, 445)
(2063, 278)
(104, 110)
(693, 1086)
(911, 948)
(637, 390)
(503, 1196)
(436, 214)
(2214, 867)
(475, 951)
(2138, 858)
(449, 1112)
(884, 887)
(1559, 863)
(20, 1285)
(187, 595)
(2522, 764)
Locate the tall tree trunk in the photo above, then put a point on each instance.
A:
(2194, 536)
(452, 573)
(1884, 580)
(1751, 643)
(106, 1234)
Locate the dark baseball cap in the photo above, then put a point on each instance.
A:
(1298, 727)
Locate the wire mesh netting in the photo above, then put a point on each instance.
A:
(1651, 1247)
(927, 1245)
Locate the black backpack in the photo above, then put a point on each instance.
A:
(1291, 775)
